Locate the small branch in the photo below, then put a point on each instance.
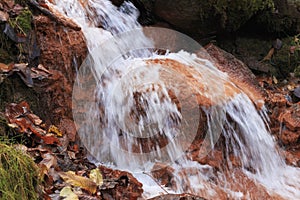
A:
(156, 182)
(268, 57)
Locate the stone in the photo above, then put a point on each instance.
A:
(177, 197)
(291, 118)
(238, 73)
(208, 17)
(289, 137)
(62, 50)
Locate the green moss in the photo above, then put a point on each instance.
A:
(18, 175)
(22, 23)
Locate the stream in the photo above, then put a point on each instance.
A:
(146, 98)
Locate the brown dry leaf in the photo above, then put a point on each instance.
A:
(49, 139)
(3, 67)
(49, 160)
(3, 16)
(96, 176)
(34, 119)
(268, 57)
(79, 181)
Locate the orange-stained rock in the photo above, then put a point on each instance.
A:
(196, 88)
(177, 197)
(292, 157)
(289, 137)
(67, 126)
(63, 49)
(238, 72)
(162, 173)
(291, 118)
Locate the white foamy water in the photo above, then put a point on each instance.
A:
(132, 108)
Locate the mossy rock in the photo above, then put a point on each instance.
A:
(283, 21)
(18, 175)
(252, 51)
(203, 17)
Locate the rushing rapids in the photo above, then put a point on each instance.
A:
(141, 112)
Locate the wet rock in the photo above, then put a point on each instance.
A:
(292, 157)
(291, 118)
(289, 137)
(55, 93)
(62, 50)
(238, 72)
(67, 126)
(163, 173)
(117, 2)
(248, 189)
(177, 197)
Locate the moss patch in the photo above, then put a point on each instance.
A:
(22, 23)
(18, 175)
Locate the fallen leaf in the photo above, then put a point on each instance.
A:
(54, 129)
(21, 147)
(68, 193)
(96, 176)
(290, 88)
(9, 3)
(50, 140)
(79, 181)
(3, 67)
(34, 119)
(71, 155)
(49, 160)
(275, 80)
(268, 57)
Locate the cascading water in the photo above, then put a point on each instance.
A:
(143, 108)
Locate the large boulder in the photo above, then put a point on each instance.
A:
(204, 17)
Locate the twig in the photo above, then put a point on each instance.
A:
(156, 182)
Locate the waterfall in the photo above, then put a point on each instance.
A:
(139, 107)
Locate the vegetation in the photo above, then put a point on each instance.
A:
(18, 174)
(295, 54)
(22, 22)
(235, 13)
